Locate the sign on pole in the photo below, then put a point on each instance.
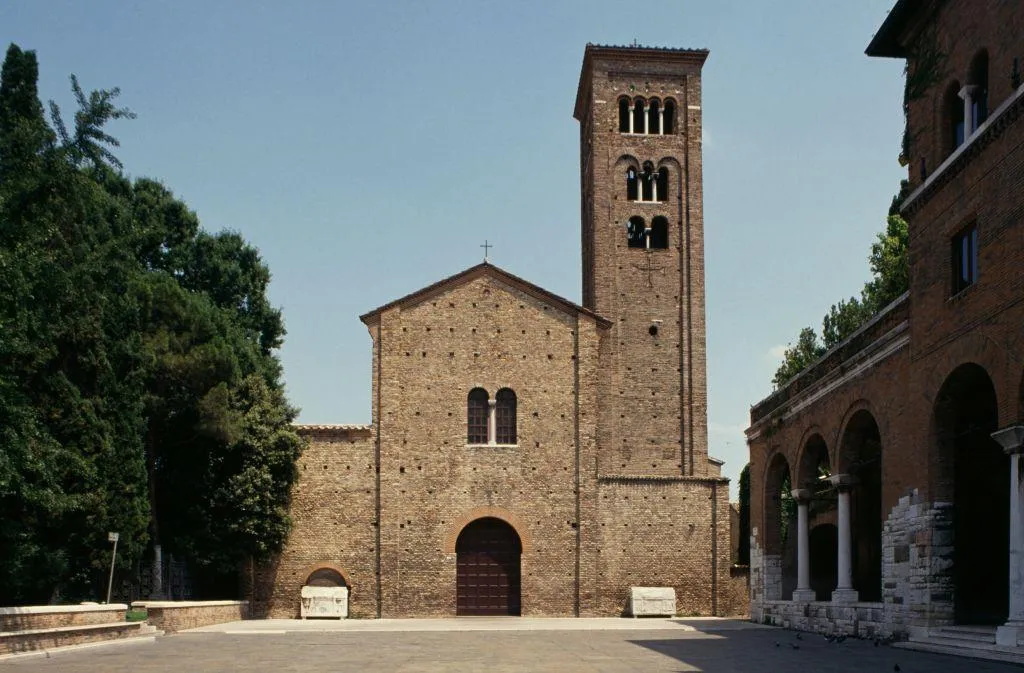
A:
(111, 537)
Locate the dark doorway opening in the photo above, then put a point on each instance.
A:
(966, 414)
(824, 550)
(488, 554)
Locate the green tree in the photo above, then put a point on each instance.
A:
(139, 386)
(890, 278)
(72, 448)
(798, 356)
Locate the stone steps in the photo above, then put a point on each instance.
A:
(975, 651)
(29, 641)
(974, 642)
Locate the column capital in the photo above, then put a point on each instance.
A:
(968, 90)
(843, 481)
(801, 495)
(1010, 438)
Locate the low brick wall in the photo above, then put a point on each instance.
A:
(171, 616)
(34, 617)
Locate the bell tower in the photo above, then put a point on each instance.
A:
(639, 111)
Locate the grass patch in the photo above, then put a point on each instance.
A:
(136, 616)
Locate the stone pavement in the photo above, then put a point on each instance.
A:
(496, 646)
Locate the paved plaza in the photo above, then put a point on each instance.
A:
(495, 646)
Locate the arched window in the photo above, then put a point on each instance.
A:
(659, 233)
(654, 116)
(476, 416)
(668, 124)
(638, 116)
(624, 115)
(505, 403)
(632, 184)
(647, 182)
(978, 80)
(954, 113)
(635, 232)
(662, 184)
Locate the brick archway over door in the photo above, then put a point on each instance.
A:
(488, 554)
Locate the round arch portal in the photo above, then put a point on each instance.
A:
(488, 572)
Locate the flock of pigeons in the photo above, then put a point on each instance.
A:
(833, 639)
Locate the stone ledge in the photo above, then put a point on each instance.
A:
(50, 609)
(31, 617)
(165, 605)
(31, 640)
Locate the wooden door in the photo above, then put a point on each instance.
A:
(488, 552)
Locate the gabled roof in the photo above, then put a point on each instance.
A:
(479, 271)
(695, 57)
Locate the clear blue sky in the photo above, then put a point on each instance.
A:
(369, 148)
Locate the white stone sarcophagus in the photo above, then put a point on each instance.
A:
(652, 602)
(324, 602)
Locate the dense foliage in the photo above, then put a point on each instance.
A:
(889, 279)
(139, 387)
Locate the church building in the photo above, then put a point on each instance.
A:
(528, 455)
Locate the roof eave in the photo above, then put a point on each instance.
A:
(888, 42)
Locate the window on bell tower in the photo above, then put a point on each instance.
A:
(658, 236)
(636, 232)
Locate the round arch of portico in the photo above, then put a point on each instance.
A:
(840, 462)
(809, 433)
(997, 358)
(308, 572)
(525, 542)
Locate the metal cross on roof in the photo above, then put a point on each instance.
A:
(486, 246)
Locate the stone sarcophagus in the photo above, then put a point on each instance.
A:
(331, 602)
(652, 602)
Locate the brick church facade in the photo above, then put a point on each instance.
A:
(528, 455)
(886, 478)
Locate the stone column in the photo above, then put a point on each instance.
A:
(1012, 441)
(645, 117)
(803, 591)
(661, 119)
(492, 418)
(967, 94)
(844, 592)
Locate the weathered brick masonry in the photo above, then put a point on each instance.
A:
(917, 394)
(608, 483)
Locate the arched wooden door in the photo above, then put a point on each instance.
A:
(488, 552)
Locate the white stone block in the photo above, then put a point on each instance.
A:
(652, 601)
(324, 602)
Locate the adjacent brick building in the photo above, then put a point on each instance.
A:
(528, 455)
(885, 487)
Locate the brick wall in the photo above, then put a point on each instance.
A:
(489, 335)
(333, 515)
(653, 395)
(957, 33)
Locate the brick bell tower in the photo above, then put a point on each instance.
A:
(639, 110)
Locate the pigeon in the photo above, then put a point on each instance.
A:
(794, 646)
(840, 639)
(830, 639)
(777, 643)
(896, 667)
(799, 637)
